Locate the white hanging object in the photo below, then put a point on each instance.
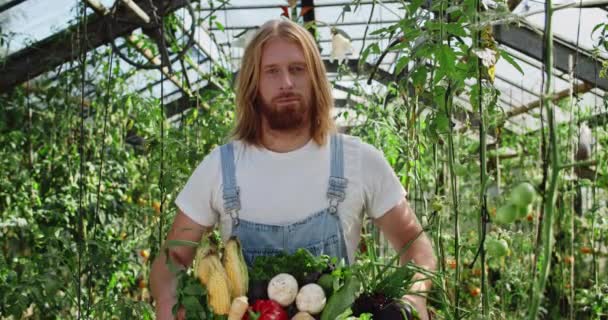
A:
(340, 47)
(487, 56)
(585, 141)
(586, 135)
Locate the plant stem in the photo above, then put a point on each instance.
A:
(453, 182)
(595, 248)
(572, 186)
(578, 164)
(549, 203)
(483, 172)
(482, 198)
(453, 192)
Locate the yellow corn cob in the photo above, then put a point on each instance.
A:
(211, 273)
(235, 266)
(206, 265)
(218, 292)
(204, 248)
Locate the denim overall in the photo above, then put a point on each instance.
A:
(320, 233)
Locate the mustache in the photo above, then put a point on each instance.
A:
(287, 95)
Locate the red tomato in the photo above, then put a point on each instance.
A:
(475, 291)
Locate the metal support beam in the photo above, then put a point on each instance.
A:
(156, 61)
(10, 4)
(525, 40)
(61, 47)
(372, 38)
(518, 86)
(186, 102)
(581, 88)
(98, 7)
(320, 5)
(537, 65)
(137, 10)
(356, 23)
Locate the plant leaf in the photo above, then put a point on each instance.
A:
(510, 60)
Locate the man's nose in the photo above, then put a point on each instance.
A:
(286, 81)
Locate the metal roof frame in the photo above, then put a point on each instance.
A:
(51, 52)
(526, 40)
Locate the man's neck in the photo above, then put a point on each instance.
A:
(285, 141)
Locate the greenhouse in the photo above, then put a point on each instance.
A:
(312, 159)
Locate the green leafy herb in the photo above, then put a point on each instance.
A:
(299, 264)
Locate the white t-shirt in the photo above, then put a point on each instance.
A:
(282, 188)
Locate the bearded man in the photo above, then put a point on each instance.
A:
(287, 179)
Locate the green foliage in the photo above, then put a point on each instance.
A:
(192, 296)
(42, 148)
(412, 121)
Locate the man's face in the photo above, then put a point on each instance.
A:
(285, 88)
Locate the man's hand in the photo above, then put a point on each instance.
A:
(164, 311)
(417, 298)
(419, 303)
(401, 228)
(163, 282)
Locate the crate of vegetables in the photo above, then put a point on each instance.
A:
(295, 286)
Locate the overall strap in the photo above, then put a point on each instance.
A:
(232, 201)
(337, 183)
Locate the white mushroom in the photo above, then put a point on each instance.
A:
(303, 316)
(311, 298)
(283, 289)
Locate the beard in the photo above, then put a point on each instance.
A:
(288, 116)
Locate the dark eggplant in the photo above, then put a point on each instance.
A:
(291, 310)
(396, 310)
(367, 303)
(363, 304)
(310, 278)
(258, 289)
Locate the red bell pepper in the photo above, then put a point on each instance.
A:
(266, 310)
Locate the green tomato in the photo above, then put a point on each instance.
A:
(523, 194)
(506, 214)
(497, 248)
(521, 212)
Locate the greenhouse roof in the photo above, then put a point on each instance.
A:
(34, 46)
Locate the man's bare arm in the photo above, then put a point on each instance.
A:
(162, 281)
(400, 226)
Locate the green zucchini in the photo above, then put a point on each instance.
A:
(342, 299)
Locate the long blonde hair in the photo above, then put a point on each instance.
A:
(248, 120)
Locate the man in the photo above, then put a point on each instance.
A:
(287, 180)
